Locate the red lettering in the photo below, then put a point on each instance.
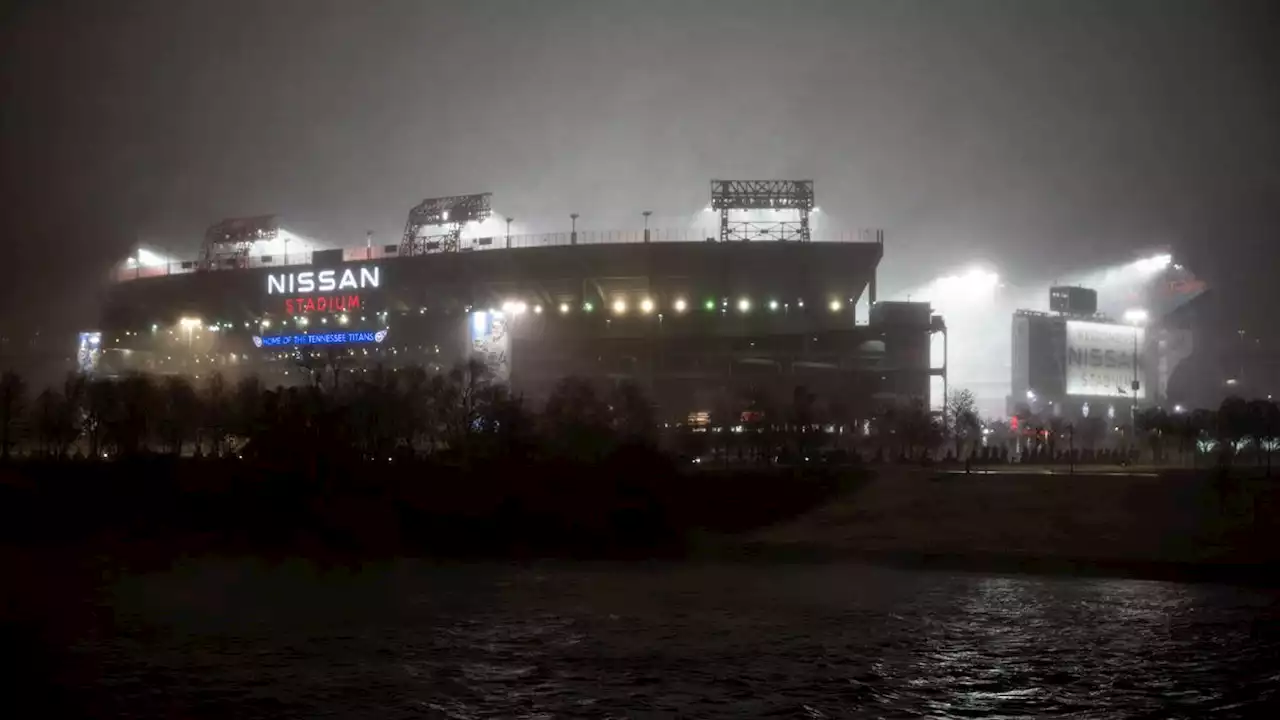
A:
(324, 303)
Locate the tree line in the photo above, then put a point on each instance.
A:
(413, 412)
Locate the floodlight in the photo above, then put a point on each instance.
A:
(1136, 316)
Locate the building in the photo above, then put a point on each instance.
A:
(701, 325)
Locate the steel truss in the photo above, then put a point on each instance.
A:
(435, 224)
(776, 195)
(229, 242)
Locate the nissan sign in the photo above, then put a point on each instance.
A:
(1101, 359)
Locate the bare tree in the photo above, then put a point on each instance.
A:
(13, 396)
(962, 419)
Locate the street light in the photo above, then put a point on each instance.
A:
(189, 324)
(1137, 317)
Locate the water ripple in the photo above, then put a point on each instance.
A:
(838, 641)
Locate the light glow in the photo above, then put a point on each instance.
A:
(744, 305)
(646, 306)
(1153, 264)
(619, 306)
(680, 305)
(1136, 316)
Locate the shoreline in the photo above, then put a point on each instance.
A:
(1170, 526)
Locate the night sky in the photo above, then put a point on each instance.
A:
(1040, 136)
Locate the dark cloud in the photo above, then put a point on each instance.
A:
(1033, 134)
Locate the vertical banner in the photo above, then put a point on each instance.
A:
(89, 352)
(491, 343)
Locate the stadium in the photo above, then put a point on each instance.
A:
(719, 325)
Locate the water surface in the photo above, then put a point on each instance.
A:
(413, 639)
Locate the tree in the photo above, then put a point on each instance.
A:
(1152, 424)
(576, 422)
(1263, 422)
(13, 395)
(804, 421)
(918, 427)
(633, 413)
(179, 413)
(962, 418)
(1233, 425)
(216, 413)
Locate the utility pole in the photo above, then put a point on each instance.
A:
(1133, 412)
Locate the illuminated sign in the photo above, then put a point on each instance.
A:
(325, 281)
(355, 337)
(321, 303)
(491, 343)
(89, 351)
(321, 291)
(1101, 359)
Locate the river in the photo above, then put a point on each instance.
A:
(410, 639)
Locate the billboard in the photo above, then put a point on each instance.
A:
(491, 344)
(89, 352)
(1101, 359)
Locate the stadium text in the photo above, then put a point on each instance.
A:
(309, 281)
(321, 303)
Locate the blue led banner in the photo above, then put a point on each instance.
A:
(354, 337)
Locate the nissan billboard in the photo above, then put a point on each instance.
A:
(1101, 359)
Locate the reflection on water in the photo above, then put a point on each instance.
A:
(222, 639)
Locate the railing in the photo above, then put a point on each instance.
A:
(469, 244)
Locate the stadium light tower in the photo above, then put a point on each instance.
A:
(435, 224)
(646, 214)
(228, 243)
(763, 195)
(573, 228)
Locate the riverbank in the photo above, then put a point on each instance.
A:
(633, 504)
(1171, 525)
